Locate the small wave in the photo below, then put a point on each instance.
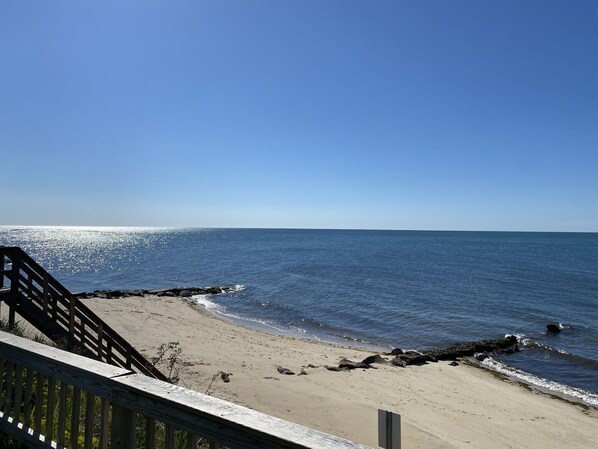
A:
(519, 337)
(261, 323)
(239, 288)
(550, 385)
(203, 300)
(529, 343)
(355, 339)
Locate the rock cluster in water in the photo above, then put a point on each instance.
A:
(182, 292)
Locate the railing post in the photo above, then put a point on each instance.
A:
(89, 419)
(122, 435)
(14, 290)
(14, 275)
(129, 357)
(100, 335)
(104, 420)
(71, 339)
(46, 293)
(2, 265)
(11, 315)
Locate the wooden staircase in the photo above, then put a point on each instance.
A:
(30, 291)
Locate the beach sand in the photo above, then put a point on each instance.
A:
(441, 406)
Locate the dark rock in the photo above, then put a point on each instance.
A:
(157, 291)
(286, 371)
(302, 372)
(415, 358)
(166, 293)
(554, 328)
(184, 292)
(506, 345)
(374, 359)
(398, 362)
(396, 351)
(336, 368)
(225, 377)
(481, 357)
(346, 363)
(453, 363)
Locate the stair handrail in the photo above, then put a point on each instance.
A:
(23, 290)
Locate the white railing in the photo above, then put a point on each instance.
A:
(53, 398)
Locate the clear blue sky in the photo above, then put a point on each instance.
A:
(323, 114)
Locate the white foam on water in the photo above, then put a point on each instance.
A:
(262, 323)
(204, 300)
(519, 337)
(540, 382)
(529, 343)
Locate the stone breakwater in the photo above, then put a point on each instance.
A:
(479, 349)
(184, 292)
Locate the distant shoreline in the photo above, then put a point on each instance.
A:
(235, 228)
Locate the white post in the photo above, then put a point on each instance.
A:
(389, 430)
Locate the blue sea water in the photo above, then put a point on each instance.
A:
(411, 289)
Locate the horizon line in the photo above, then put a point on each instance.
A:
(293, 228)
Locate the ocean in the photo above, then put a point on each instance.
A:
(377, 289)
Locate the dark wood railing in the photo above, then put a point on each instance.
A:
(30, 291)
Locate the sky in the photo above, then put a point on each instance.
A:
(460, 115)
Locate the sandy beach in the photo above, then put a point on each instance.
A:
(442, 406)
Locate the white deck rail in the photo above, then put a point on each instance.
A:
(53, 398)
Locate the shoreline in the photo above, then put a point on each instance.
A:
(262, 326)
(510, 373)
(442, 406)
(200, 298)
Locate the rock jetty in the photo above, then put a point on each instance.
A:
(402, 358)
(181, 292)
